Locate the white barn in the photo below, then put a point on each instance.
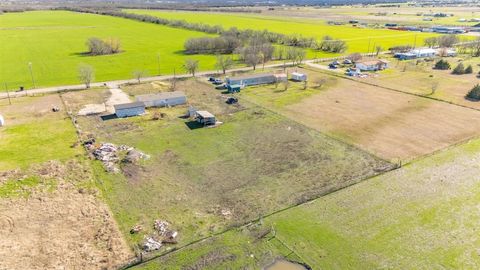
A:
(129, 109)
(163, 99)
(299, 77)
(2, 121)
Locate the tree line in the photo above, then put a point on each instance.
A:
(221, 44)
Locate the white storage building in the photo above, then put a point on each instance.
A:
(129, 109)
(299, 77)
(2, 121)
(163, 99)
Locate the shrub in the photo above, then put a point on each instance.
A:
(97, 46)
(442, 65)
(469, 70)
(459, 69)
(474, 93)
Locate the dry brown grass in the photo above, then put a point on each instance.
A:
(390, 124)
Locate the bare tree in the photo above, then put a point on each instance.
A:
(355, 57)
(447, 41)
(139, 74)
(191, 66)
(431, 42)
(286, 84)
(224, 63)
(378, 50)
(86, 74)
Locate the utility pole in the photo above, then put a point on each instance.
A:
(368, 51)
(8, 95)
(31, 74)
(415, 42)
(158, 63)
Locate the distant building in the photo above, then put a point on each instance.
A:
(417, 53)
(299, 77)
(234, 88)
(252, 79)
(2, 121)
(281, 77)
(163, 99)
(448, 30)
(129, 109)
(372, 65)
(205, 118)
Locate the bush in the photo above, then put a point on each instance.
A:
(442, 65)
(469, 70)
(474, 93)
(97, 46)
(459, 69)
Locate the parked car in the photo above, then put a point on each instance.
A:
(332, 66)
(217, 81)
(347, 62)
(232, 100)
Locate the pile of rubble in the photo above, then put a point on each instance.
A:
(108, 154)
(163, 235)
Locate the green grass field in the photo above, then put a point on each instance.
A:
(34, 134)
(358, 39)
(53, 41)
(422, 216)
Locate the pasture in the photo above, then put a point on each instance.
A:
(54, 42)
(420, 216)
(35, 134)
(392, 125)
(203, 180)
(422, 78)
(358, 39)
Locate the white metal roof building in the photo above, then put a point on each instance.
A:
(163, 99)
(129, 109)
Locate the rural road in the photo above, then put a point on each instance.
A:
(146, 79)
(54, 89)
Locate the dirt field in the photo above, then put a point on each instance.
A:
(52, 220)
(422, 77)
(389, 124)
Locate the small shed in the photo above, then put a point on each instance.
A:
(129, 109)
(2, 121)
(234, 88)
(205, 118)
(299, 77)
(163, 99)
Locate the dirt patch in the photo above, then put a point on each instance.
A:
(64, 228)
(392, 125)
(117, 97)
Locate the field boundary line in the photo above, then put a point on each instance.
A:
(386, 87)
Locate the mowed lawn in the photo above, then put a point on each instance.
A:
(35, 134)
(53, 41)
(358, 39)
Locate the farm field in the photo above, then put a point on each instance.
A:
(422, 77)
(392, 125)
(381, 15)
(419, 216)
(54, 42)
(51, 216)
(203, 180)
(358, 39)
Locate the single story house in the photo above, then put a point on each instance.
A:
(252, 79)
(129, 109)
(299, 77)
(417, 53)
(2, 121)
(205, 118)
(163, 99)
(372, 65)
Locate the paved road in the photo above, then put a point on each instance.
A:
(120, 82)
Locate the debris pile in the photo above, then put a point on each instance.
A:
(163, 235)
(109, 154)
(151, 244)
(136, 229)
